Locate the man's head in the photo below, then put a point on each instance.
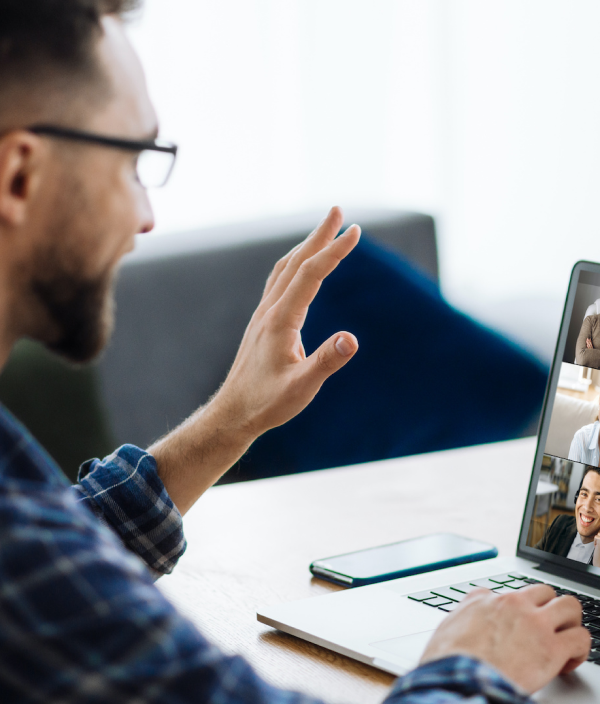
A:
(587, 503)
(68, 210)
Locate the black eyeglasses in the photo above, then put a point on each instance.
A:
(155, 161)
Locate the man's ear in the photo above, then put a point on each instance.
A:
(21, 156)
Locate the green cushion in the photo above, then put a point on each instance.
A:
(59, 403)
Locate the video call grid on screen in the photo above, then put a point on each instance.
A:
(563, 509)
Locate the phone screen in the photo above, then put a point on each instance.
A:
(429, 550)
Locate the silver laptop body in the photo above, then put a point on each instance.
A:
(388, 625)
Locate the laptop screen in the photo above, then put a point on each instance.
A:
(562, 516)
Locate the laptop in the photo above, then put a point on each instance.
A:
(388, 625)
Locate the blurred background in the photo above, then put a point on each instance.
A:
(485, 115)
(463, 135)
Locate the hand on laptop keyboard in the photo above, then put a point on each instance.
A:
(528, 634)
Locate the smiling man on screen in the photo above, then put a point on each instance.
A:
(575, 536)
(80, 617)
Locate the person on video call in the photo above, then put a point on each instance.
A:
(80, 617)
(576, 536)
(584, 446)
(587, 350)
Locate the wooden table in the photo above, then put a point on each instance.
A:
(251, 544)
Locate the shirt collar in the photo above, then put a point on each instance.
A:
(578, 542)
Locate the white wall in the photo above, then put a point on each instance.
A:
(485, 113)
(283, 105)
(523, 134)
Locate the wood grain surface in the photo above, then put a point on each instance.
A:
(250, 544)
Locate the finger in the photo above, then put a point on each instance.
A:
(563, 612)
(278, 268)
(575, 644)
(331, 356)
(319, 238)
(325, 231)
(293, 304)
(480, 593)
(538, 594)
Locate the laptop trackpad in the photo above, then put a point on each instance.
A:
(409, 648)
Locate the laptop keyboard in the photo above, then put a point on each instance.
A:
(448, 598)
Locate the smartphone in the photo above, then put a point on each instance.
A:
(408, 557)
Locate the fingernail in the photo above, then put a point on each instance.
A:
(356, 226)
(343, 347)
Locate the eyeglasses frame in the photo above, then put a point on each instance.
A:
(132, 145)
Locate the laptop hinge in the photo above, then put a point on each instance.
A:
(573, 575)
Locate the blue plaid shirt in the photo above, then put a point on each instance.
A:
(81, 619)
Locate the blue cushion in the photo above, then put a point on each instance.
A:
(426, 377)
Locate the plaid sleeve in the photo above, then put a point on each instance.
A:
(81, 620)
(125, 491)
(455, 679)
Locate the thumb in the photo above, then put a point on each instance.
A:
(332, 355)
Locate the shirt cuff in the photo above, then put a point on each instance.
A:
(128, 493)
(458, 675)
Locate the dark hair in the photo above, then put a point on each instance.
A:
(42, 36)
(588, 468)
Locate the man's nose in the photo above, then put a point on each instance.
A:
(146, 214)
(588, 504)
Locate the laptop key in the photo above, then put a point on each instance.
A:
(517, 575)
(504, 590)
(594, 656)
(421, 596)
(448, 607)
(518, 584)
(448, 593)
(502, 578)
(485, 583)
(437, 601)
(465, 587)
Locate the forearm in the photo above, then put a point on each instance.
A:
(588, 358)
(197, 453)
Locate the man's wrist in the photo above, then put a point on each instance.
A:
(235, 423)
(195, 455)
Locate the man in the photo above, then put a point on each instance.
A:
(574, 536)
(584, 446)
(80, 618)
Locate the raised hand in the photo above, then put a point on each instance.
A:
(529, 636)
(271, 379)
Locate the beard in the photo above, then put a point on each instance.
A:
(80, 313)
(74, 311)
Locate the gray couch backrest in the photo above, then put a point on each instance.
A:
(183, 305)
